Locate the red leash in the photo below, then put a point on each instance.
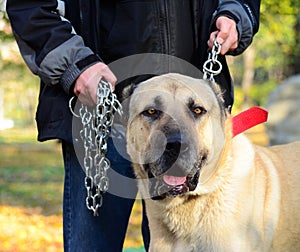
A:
(248, 119)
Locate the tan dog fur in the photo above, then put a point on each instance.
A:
(248, 197)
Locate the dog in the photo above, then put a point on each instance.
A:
(204, 189)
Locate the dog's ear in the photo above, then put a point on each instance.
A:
(125, 89)
(124, 93)
(127, 92)
(219, 92)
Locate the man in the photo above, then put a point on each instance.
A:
(60, 42)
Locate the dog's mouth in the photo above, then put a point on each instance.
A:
(169, 186)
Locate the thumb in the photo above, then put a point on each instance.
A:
(219, 38)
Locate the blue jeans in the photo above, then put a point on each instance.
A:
(103, 233)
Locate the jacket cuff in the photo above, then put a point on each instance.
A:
(235, 11)
(73, 72)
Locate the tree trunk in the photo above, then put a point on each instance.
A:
(248, 61)
(296, 58)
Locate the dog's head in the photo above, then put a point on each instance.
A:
(175, 133)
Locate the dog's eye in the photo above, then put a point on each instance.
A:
(151, 112)
(198, 111)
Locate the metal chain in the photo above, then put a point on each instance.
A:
(96, 124)
(212, 66)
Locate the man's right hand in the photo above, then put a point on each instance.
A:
(226, 34)
(87, 83)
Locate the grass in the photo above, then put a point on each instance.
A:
(31, 173)
(31, 184)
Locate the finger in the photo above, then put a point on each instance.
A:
(227, 36)
(86, 100)
(108, 75)
(228, 40)
(212, 37)
(86, 88)
(112, 80)
(228, 45)
(86, 84)
(225, 45)
(77, 89)
(84, 95)
(223, 38)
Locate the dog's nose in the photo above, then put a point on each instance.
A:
(177, 144)
(176, 147)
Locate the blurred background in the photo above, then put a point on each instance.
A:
(31, 173)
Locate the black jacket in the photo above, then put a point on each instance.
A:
(58, 40)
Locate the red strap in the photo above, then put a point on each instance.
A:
(248, 119)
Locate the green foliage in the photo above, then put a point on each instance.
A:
(275, 47)
(18, 84)
(257, 95)
(5, 31)
(276, 38)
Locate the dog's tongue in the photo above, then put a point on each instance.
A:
(174, 181)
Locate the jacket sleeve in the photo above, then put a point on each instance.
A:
(246, 15)
(47, 41)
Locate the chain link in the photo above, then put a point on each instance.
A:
(96, 124)
(212, 66)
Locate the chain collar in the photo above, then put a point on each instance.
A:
(212, 66)
(96, 125)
